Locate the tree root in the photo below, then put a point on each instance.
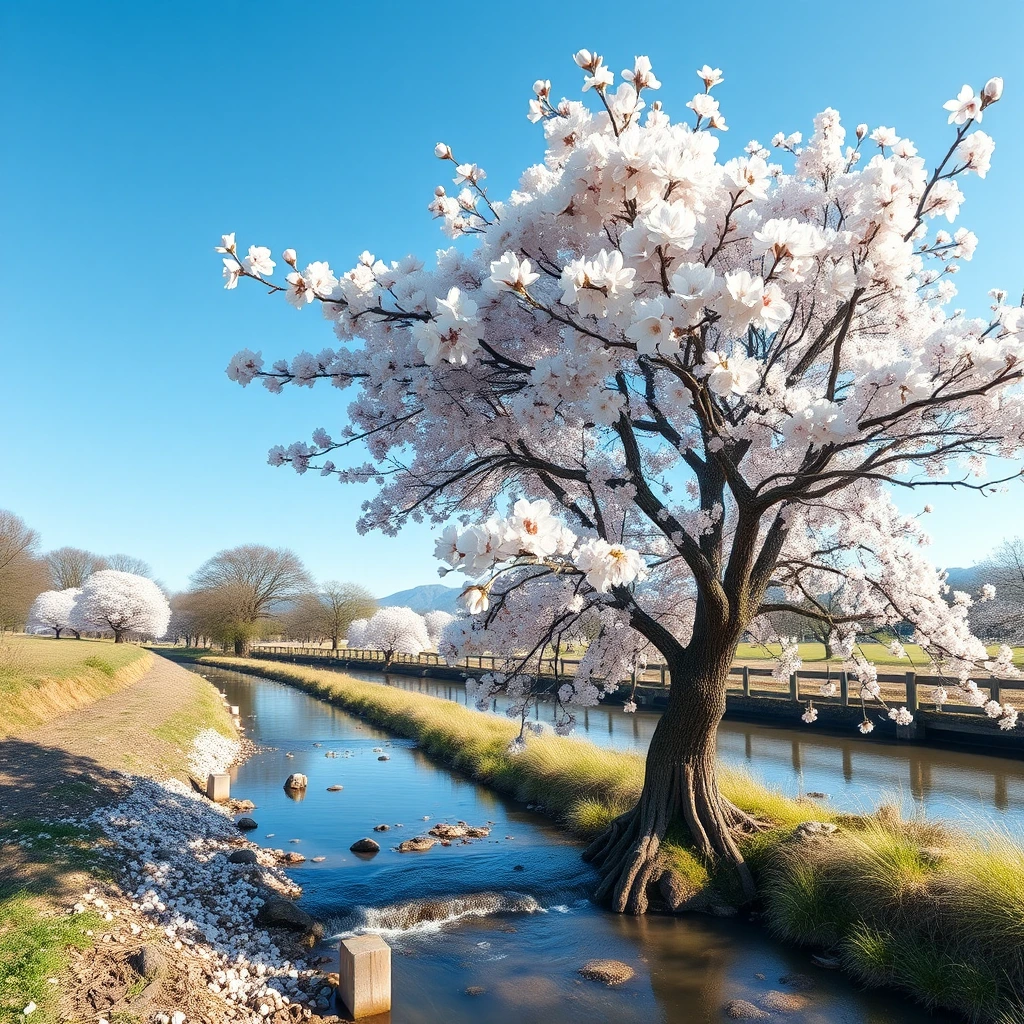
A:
(626, 852)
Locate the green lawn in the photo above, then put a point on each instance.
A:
(879, 654)
(41, 677)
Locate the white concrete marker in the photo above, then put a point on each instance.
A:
(234, 710)
(218, 787)
(364, 975)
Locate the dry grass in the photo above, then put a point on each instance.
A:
(905, 903)
(41, 678)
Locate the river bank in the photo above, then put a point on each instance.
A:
(862, 889)
(117, 896)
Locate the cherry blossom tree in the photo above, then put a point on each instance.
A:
(654, 386)
(436, 623)
(121, 603)
(53, 610)
(394, 631)
(356, 637)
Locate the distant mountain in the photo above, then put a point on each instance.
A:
(969, 579)
(432, 597)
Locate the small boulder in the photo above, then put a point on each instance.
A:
(296, 781)
(246, 824)
(384, 757)
(475, 990)
(806, 829)
(740, 1009)
(277, 913)
(676, 890)
(381, 828)
(418, 844)
(242, 857)
(148, 962)
(609, 972)
(783, 1002)
(365, 846)
(291, 858)
(335, 789)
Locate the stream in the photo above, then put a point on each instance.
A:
(506, 918)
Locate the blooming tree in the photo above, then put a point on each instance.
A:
(53, 610)
(356, 633)
(120, 603)
(436, 623)
(394, 631)
(666, 395)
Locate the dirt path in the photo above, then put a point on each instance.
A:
(72, 762)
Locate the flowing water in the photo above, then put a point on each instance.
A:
(506, 917)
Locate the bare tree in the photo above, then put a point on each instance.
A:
(249, 581)
(71, 567)
(22, 572)
(1002, 619)
(129, 563)
(342, 604)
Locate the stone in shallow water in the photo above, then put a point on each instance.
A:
(365, 846)
(610, 972)
(475, 990)
(740, 1009)
(384, 757)
(246, 824)
(335, 789)
(277, 913)
(801, 982)
(418, 844)
(381, 828)
(296, 781)
(783, 1002)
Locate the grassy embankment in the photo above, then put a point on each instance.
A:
(41, 678)
(42, 862)
(911, 904)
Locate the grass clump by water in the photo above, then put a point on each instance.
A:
(41, 678)
(905, 903)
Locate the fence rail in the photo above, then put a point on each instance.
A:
(907, 688)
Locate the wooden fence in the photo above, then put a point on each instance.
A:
(908, 689)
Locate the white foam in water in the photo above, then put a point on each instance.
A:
(424, 916)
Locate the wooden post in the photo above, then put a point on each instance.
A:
(364, 975)
(844, 689)
(794, 687)
(218, 787)
(993, 690)
(911, 691)
(661, 669)
(746, 680)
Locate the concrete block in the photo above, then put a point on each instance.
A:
(234, 710)
(218, 787)
(364, 975)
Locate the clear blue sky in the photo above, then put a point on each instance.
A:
(134, 134)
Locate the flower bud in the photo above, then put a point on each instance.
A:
(992, 92)
(439, 191)
(585, 59)
(862, 130)
(289, 257)
(443, 151)
(542, 88)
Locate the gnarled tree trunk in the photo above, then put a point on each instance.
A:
(680, 784)
(243, 647)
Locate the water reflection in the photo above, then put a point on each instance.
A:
(971, 788)
(521, 965)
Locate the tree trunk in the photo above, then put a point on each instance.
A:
(334, 642)
(118, 636)
(680, 784)
(57, 633)
(243, 646)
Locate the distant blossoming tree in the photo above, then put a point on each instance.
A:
(53, 610)
(356, 637)
(701, 380)
(436, 622)
(394, 631)
(121, 603)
